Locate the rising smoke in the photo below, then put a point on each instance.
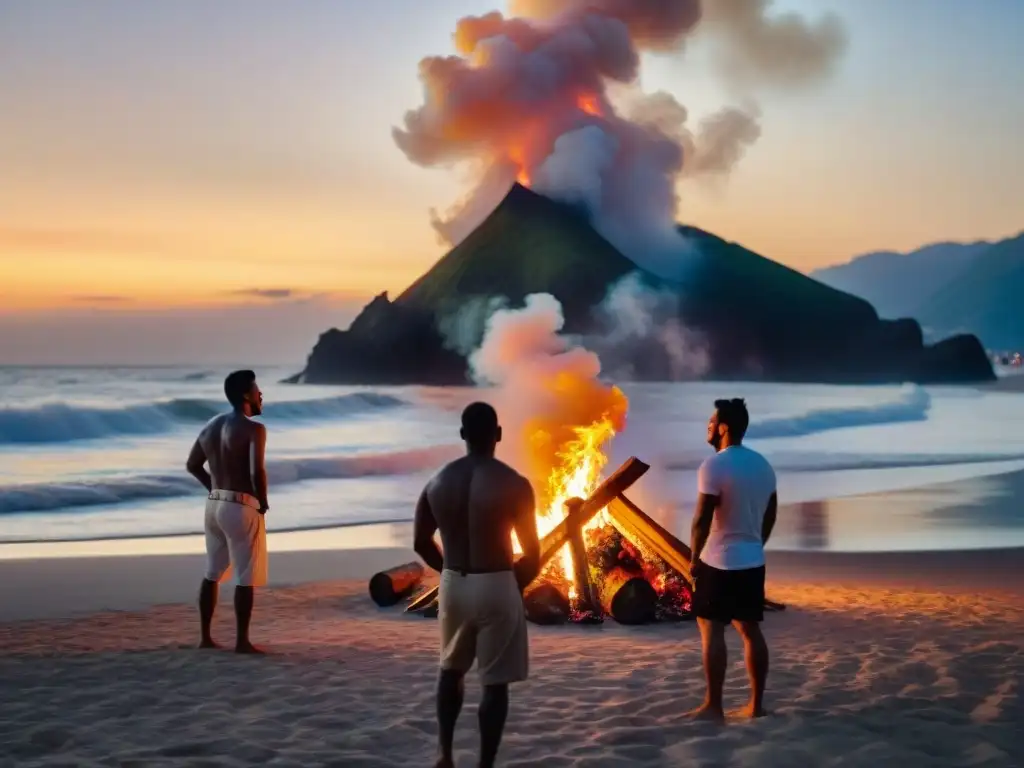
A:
(641, 336)
(527, 97)
(547, 385)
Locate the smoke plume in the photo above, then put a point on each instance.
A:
(643, 337)
(526, 97)
(547, 387)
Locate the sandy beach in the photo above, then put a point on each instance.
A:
(899, 659)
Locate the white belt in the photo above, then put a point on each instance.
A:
(245, 499)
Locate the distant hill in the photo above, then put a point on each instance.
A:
(986, 298)
(761, 320)
(898, 284)
(948, 287)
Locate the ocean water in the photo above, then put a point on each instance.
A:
(100, 453)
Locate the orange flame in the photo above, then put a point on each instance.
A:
(573, 455)
(517, 156)
(589, 103)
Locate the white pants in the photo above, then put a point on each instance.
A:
(236, 536)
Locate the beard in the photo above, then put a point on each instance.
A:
(256, 408)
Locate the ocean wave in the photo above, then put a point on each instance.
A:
(61, 423)
(49, 497)
(912, 404)
(825, 462)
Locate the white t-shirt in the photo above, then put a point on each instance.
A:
(743, 481)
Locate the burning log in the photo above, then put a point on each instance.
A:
(587, 603)
(627, 597)
(546, 604)
(578, 515)
(389, 587)
(639, 527)
(635, 524)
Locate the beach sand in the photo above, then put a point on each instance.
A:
(908, 660)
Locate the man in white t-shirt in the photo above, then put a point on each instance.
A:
(736, 509)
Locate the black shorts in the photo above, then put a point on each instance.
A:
(728, 596)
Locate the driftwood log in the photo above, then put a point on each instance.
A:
(627, 597)
(579, 513)
(389, 587)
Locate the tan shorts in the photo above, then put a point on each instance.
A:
(482, 617)
(236, 537)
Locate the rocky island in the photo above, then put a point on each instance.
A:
(760, 320)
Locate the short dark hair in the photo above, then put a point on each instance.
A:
(237, 386)
(479, 423)
(733, 413)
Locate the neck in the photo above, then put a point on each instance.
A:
(727, 443)
(479, 453)
(243, 410)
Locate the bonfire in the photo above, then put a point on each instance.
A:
(601, 555)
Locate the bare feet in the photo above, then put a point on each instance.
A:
(248, 648)
(706, 712)
(749, 712)
(208, 642)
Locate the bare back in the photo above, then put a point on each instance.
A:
(228, 442)
(477, 503)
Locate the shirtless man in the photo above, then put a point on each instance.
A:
(236, 534)
(477, 502)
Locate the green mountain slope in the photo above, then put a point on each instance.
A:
(529, 244)
(769, 319)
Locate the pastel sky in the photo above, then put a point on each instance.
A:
(178, 179)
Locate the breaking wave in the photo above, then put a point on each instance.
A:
(827, 462)
(912, 404)
(61, 423)
(69, 496)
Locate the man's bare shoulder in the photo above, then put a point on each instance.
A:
(511, 476)
(213, 425)
(497, 469)
(450, 471)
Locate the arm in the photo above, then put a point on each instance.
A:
(424, 527)
(708, 494)
(258, 465)
(525, 524)
(196, 466)
(769, 518)
(700, 529)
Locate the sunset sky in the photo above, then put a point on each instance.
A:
(167, 168)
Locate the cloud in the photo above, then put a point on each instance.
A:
(274, 294)
(101, 299)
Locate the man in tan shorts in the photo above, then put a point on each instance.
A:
(236, 534)
(476, 502)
